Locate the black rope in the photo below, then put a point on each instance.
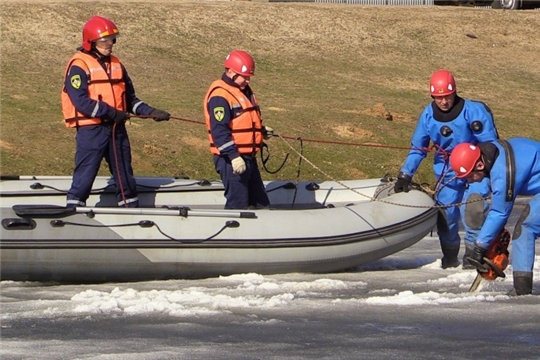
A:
(264, 160)
(39, 186)
(147, 224)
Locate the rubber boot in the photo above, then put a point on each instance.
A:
(466, 265)
(522, 283)
(450, 256)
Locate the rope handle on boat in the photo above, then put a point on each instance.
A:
(55, 212)
(148, 224)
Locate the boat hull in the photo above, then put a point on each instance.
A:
(330, 229)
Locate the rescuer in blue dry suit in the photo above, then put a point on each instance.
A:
(513, 168)
(448, 121)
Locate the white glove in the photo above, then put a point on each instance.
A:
(238, 165)
(267, 132)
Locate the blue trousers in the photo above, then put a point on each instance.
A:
(95, 143)
(457, 192)
(244, 190)
(527, 231)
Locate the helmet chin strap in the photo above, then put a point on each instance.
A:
(95, 51)
(234, 75)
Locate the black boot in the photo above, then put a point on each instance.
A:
(450, 256)
(466, 265)
(523, 281)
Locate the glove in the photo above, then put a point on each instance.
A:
(160, 115)
(476, 258)
(120, 116)
(267, 132)
(238, 165)
(403, 182)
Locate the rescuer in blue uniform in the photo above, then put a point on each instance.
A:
(236, 134)
(448, 121)
(97, 98)
(513, 168)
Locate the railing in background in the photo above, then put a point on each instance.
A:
(366, 2)
(378, 2)
(485, 4)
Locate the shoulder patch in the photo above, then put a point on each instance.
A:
(75, 81)
(219, 113)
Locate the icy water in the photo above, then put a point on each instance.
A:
(401, 307)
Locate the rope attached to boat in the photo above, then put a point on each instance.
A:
(422, 187)
(148, 224)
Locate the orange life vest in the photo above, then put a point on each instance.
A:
(109, 88)
(245, 126)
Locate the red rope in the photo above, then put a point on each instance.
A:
(116, 163)
(434, 148)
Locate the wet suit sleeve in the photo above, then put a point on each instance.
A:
(500, 208)
(419, 141)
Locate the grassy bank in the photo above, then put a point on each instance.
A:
(328, 72)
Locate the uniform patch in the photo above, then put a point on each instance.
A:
(219, 113)
(75, 81)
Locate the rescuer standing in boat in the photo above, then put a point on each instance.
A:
(513, 168)
(97, 98)
(236, 133)
(448, 121)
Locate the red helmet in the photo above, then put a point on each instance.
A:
(240, 62)
(98, 28)
(463, 159)
(442, 83)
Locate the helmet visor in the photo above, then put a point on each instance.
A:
(108, 38)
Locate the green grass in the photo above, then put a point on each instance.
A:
(325, 72)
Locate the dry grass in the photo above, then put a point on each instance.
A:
(330, 72)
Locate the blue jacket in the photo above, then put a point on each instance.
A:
(527, 182)
(468, 121)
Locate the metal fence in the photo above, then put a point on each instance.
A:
(486, 4)
(365, 2)
(379, 2)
